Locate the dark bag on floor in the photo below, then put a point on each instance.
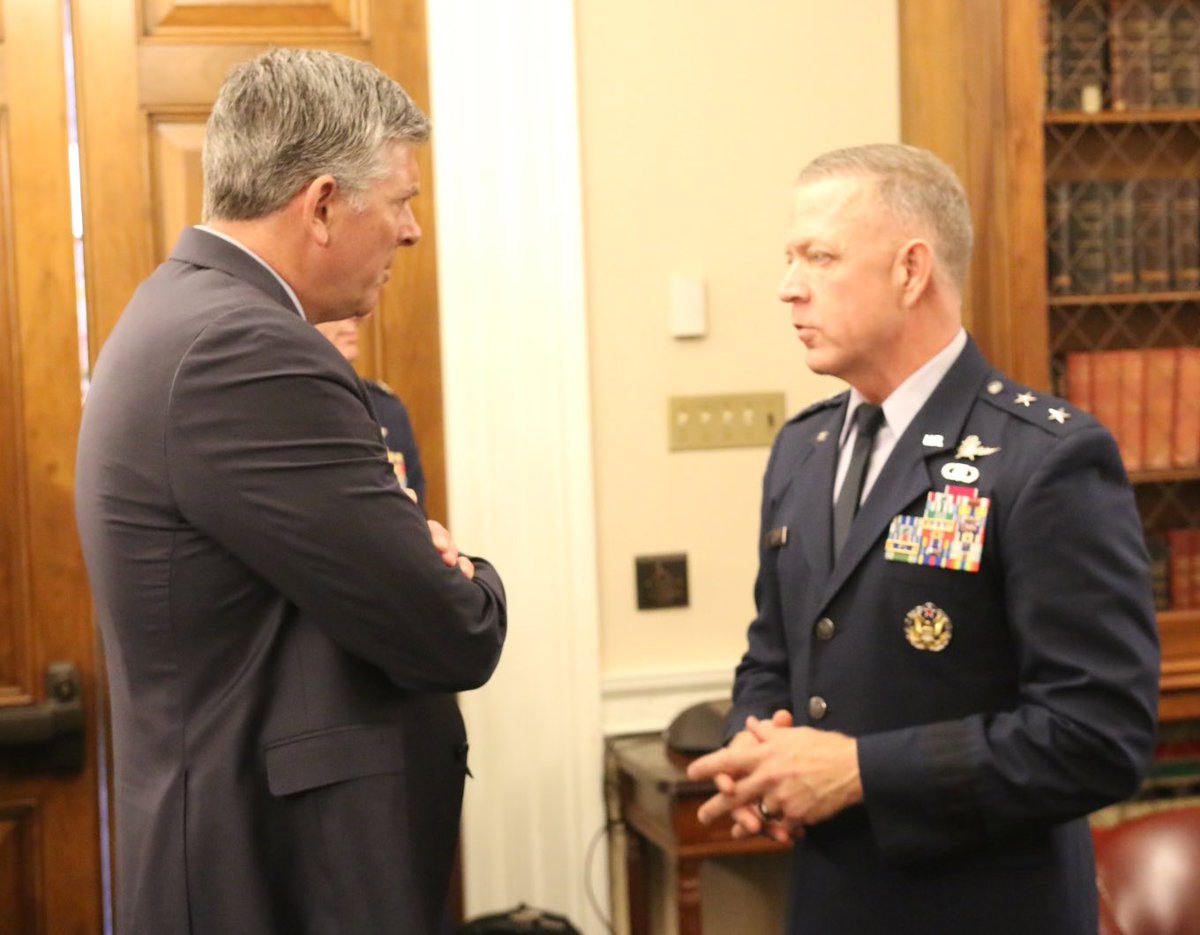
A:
(524, 920)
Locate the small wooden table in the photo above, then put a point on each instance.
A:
(658, 806)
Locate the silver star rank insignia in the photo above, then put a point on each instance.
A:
(1058, 415)
(971, 448)
(1025, 399)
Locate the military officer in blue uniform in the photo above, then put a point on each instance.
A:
(389, 410)
(954, 657)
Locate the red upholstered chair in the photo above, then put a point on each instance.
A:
(1148, 870)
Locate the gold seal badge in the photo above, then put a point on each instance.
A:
(928, 627)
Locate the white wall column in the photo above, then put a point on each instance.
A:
(518, 435)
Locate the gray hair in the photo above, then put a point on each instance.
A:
(290, 115)
(915, 186)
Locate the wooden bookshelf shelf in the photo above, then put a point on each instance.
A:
(1167, 476)
(1123, 298)
(1160, 115)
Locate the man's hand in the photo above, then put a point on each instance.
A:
(449, 552)
(799, 774)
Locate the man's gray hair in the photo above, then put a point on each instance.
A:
(290, 115)
(916, 186)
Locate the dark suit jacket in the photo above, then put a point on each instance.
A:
(282, 639)
(977, 761)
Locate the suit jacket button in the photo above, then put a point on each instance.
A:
(825, 629)
(817, 707)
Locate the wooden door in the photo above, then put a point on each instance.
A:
(145, 72)
(49, 818)
(148, 72)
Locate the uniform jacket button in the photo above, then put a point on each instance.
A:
(825, 629)
(817, 707)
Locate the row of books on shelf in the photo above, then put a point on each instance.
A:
(1122, 54)
(1123, 237)
(1175, 568)
(1149, 399)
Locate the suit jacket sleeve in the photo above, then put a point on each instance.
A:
(273, 453)
(1082, 730)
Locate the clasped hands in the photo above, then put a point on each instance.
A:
(774, 778)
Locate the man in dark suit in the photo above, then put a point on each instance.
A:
(283, 629)
(389, 410)
(954, 657)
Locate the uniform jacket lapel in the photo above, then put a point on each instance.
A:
(907, 474)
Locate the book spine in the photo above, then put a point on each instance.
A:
(1106, 392)
(1185, 55)
(1129, 29)
(1185, 235)
(1079, 379)
(1083, 56)
(1193, 546)
(1121, 260)
(1159, 42)
(1052, 53)
(1058, 239)
(1161, 366)
(1179, 545)
(1160, 569)
(1089, 238)
(1185, 444)
(1131, 435)
(1152, 235)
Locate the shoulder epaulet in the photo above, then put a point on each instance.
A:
(818, 406)
(1051, 413)
(382, 387)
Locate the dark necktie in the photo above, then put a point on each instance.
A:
(868, 418)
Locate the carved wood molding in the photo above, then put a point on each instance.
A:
(239, 20)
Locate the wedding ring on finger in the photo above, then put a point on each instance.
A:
(766, 815)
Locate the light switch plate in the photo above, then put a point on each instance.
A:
(736, 420)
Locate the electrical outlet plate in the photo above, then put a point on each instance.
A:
(736, 420)
(662, 581)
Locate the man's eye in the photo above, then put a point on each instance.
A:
(819, 256)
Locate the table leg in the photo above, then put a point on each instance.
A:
(636, 890)
(687, 896)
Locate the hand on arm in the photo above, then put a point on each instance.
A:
(448, 550)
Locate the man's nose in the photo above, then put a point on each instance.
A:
(793, 286)
(410, 230)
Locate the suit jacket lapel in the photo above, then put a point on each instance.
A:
(906, 475)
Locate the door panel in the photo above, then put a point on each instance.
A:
(49, 822)
(145, 95)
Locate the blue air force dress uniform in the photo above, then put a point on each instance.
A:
(987, 634)
(398, 436)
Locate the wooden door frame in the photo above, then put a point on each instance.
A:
(50, 612)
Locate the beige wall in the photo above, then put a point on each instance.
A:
(695, 115)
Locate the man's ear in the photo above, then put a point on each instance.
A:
(914, 269)
(315, 202)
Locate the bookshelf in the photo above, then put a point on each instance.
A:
(1075, 126)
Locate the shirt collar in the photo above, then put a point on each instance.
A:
(241, 246)
(906, 400)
